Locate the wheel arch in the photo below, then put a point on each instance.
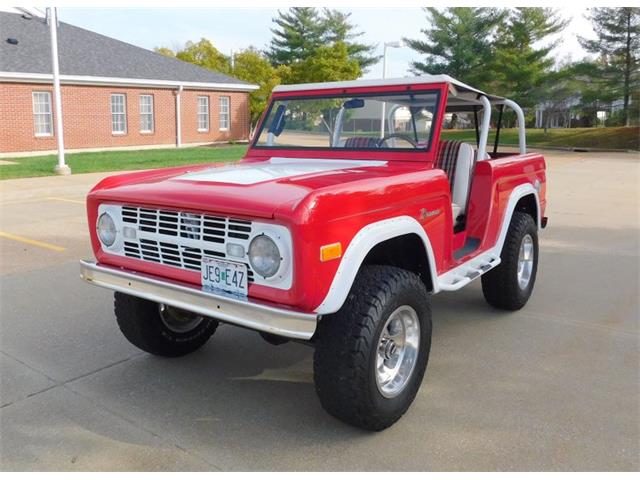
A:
(367, 247)
(523, 198)
(528, 204)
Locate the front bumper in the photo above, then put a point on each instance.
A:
(242, 312)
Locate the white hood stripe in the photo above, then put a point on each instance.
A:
(274, 169)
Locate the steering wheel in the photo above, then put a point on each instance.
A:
(401, 136)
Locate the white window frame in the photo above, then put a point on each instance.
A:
(148, 114)
(116, 114)
(202, 115)
(46, 115)
(225, 113)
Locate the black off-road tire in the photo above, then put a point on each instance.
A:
(500, 285)
(347, 342)
(141, 323)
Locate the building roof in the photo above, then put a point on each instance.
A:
(458, 86)
(88, 57)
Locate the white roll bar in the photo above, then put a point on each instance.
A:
(522, 142)
(484, 130)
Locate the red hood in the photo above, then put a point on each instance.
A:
(246, 189)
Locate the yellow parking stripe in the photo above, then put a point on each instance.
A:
(58, 199)
(29, 241)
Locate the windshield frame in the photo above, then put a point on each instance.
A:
(436, 89)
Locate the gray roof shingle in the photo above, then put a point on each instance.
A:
(82, 52)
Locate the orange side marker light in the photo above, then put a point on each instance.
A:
(330, 252)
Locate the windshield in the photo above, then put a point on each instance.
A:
(373, 122)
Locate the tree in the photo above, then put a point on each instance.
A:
(251, 66)
(337, 28)
(521, 60)
(618, 44)
(298, 33)
(329, 63)
(204, 54)
(459, 42)
(559, 87)
(167, 52)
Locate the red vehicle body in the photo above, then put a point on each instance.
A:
(400, 199)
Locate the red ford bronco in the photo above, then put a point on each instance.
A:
(346, 214)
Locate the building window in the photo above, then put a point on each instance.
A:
(118, 113)
(224, 113)
(42, 114)
(146, 113)
(203, 114)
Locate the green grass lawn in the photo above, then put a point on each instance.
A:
(121, 160)
(622, 138)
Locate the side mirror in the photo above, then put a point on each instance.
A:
(353, 103)
(278, 122)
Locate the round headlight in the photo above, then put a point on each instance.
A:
(264, 256)
(106, 229)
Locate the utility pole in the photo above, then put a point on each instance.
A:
(61, 168)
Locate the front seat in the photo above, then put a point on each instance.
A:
(457, 160)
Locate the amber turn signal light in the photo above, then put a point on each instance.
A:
(331, 251)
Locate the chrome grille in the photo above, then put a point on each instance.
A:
(180, 239)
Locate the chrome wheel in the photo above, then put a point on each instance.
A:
(525, 261)
(178, 320)
(397, 351)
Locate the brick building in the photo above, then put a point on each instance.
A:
(114, 95)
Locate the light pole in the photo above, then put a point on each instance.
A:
(396, 44)
(61, 168)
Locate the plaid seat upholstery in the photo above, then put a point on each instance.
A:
(361, 142)
(446, 158)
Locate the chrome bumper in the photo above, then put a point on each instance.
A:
(245, 313)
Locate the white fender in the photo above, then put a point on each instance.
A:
(517, 193)
(361, 244)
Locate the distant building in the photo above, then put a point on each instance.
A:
(114, 95)
(566, 113)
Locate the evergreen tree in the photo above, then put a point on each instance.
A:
(298, 33)
(522, 57)
(459, 43)
(337, 28)
(618, 45)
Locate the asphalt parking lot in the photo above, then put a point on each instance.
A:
(555, 386)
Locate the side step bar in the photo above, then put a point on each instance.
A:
(460, 276)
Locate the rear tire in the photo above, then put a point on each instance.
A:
(159, 329)
(509, 285)
(355, 348)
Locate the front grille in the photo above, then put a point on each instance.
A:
(180, 239)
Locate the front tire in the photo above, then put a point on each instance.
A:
(371, 355)
(160, 329)
(510, 284)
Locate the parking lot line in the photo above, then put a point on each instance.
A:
(29, 241)
(59, 199)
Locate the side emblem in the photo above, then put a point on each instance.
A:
(424, 213)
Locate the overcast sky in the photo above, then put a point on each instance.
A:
(235, 29)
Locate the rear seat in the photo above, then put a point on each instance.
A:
(457, 160)
(361, 142)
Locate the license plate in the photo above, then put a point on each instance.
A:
(222, 275)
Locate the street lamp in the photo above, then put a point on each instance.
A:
(396, 44)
